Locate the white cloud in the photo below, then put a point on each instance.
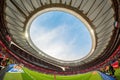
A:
(68, 41)
(52, 43)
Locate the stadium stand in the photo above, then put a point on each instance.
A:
(103, 15)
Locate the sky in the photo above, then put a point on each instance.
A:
(61, 35)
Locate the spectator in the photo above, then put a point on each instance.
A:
(107, 70)
(111, 70)
(119, 61)
(1, 60)
(102, 70)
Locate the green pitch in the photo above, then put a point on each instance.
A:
(117, 74)
(33, 75)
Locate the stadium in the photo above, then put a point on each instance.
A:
(59, 40)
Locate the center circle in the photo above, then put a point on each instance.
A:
(60, 35)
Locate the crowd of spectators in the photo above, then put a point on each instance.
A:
(110, 68)
(4, 60)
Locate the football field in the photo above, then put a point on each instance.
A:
(33, 75)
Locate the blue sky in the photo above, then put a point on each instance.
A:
(61, 35)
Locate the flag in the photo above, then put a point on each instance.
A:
(116, 24)
(8, 37)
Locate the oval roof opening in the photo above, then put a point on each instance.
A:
(60, 35)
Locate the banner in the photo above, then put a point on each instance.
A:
(15, 68)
